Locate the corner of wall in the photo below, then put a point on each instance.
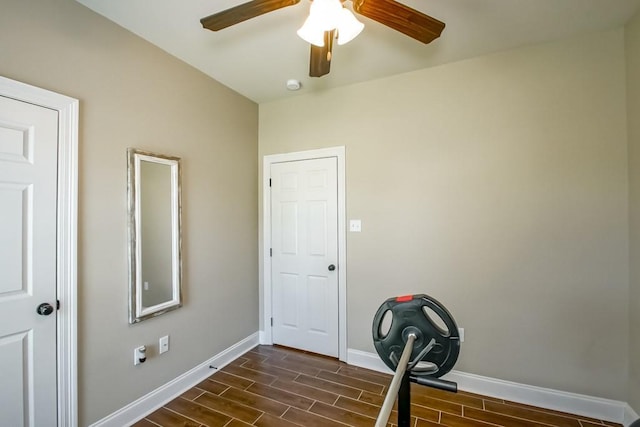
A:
(632, 52)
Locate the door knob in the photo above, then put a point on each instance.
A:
(332, 267)
(44, 309)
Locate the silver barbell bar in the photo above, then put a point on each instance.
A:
(390, 398)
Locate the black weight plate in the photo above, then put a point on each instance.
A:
(408, 315)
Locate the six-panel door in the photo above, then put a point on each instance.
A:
(304, 235)
(28, 182)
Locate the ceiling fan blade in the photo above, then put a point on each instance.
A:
(320, 62)
(402, 18)
(245, 11)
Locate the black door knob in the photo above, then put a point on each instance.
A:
(44, 309)
(332, 267)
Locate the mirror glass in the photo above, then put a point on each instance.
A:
(154, 234)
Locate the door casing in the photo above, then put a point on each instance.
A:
(266, 336)
(67, 197)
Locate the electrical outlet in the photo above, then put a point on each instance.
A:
(139, 355)
(461, 333)
(163, 344)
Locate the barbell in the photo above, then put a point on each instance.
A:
(416, 337)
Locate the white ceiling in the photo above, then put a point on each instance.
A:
(256, 57)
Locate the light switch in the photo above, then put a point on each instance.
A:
(163, 344)
(355, 226)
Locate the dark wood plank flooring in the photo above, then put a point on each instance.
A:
(276, 386)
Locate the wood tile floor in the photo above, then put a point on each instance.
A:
(276, 386)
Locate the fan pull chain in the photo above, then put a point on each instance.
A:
(329, 36)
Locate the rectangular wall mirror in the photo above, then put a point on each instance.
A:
(155, 264)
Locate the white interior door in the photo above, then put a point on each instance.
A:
(304, 236)
(28, 185)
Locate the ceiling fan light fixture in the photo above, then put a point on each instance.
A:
(328, 15)
(348, 26)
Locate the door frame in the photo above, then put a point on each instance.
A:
(67, 224)
(266, 289)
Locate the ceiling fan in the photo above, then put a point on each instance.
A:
(395, 15)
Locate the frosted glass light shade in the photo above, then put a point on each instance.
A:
(312, 32)
(327, 15)
(327, 12)
(348, 27)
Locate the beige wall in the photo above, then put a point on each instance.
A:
(499, 186)
(135, 95)
(632, 40)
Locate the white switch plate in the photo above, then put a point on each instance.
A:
(163, 344)
(461, 333)
(355, 226)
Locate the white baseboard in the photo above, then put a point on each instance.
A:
(174, 388)
(588, 406)
(263, 338)
(367, 360)
(629, 415)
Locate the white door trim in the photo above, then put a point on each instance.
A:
(339, 154)
(67, 196)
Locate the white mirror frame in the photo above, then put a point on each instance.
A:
(137, 312)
